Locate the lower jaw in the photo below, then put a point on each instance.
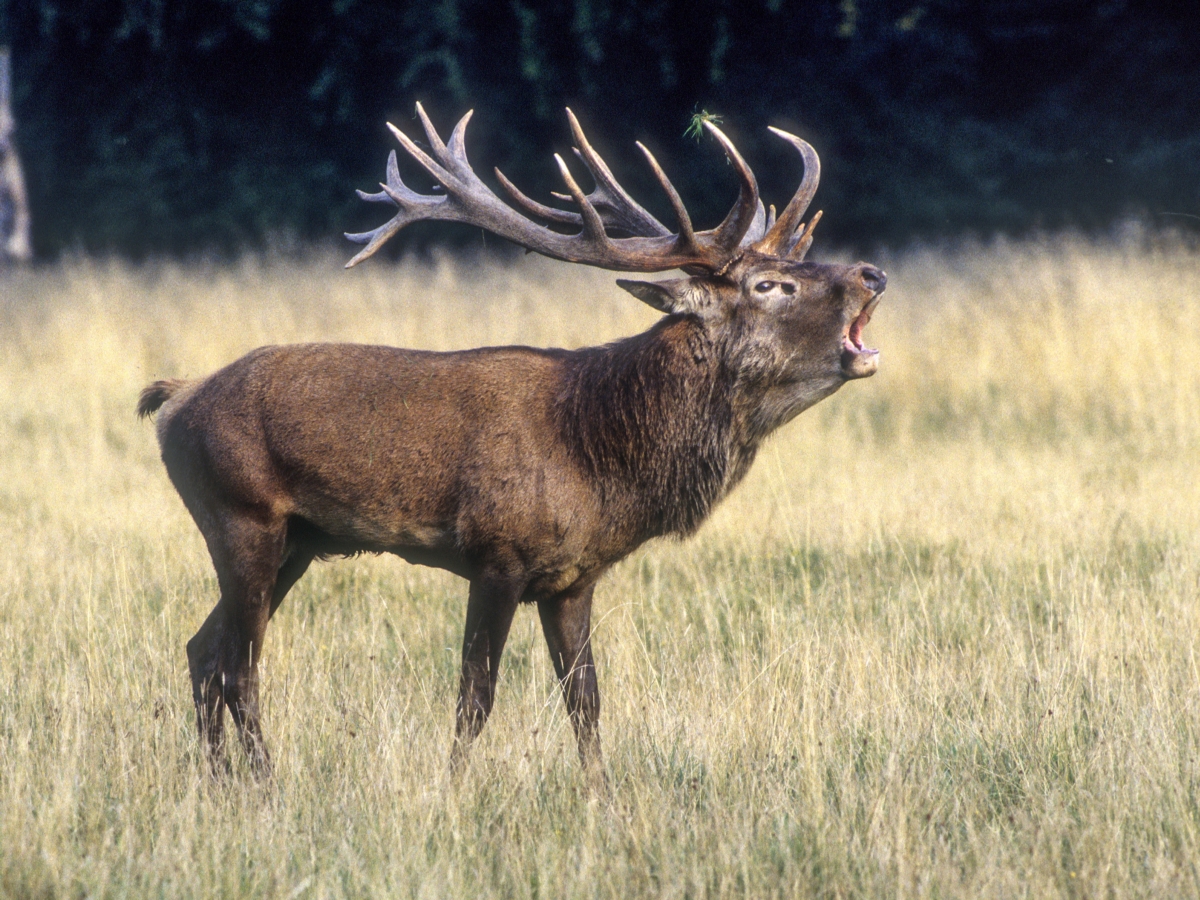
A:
(859, 363)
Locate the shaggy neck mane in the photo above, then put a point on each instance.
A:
(651, 418)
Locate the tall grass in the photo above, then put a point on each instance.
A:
(941, 643)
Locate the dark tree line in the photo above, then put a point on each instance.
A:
(187, 125)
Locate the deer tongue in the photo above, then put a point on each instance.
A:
(853, 340)
(859, 361)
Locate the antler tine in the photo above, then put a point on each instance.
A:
(431, 134)
(728, 235)
(373, 239)
(687, 237)
(781, 239)
(593, 225)
(798, 250)
(539, 209)
(595, 163)
(457, 147)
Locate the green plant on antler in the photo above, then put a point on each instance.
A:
(696, 128)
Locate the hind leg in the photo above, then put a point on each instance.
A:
(204, 667)
(247, 553)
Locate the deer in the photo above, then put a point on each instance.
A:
(528, 472)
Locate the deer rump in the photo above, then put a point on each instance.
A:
(528, 472)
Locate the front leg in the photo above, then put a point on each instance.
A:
(567, 623)
(490, 608)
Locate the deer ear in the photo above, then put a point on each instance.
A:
(665, 296)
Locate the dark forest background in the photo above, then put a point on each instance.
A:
(184, 126)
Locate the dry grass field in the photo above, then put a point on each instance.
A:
(941, 643)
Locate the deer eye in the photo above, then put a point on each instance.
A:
(787, 287)
(763, 286)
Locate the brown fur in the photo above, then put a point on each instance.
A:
(528, 472)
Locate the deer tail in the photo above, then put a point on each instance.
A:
(155, 395)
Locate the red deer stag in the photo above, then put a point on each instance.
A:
(528, 472)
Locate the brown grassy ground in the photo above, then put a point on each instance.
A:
(942, 643)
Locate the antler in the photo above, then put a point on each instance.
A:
(784, 237)
(652, 248)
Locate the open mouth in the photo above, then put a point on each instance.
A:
(859, 361)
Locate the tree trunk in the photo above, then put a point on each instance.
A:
(14, 206)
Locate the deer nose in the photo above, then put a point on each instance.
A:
(874, 279)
